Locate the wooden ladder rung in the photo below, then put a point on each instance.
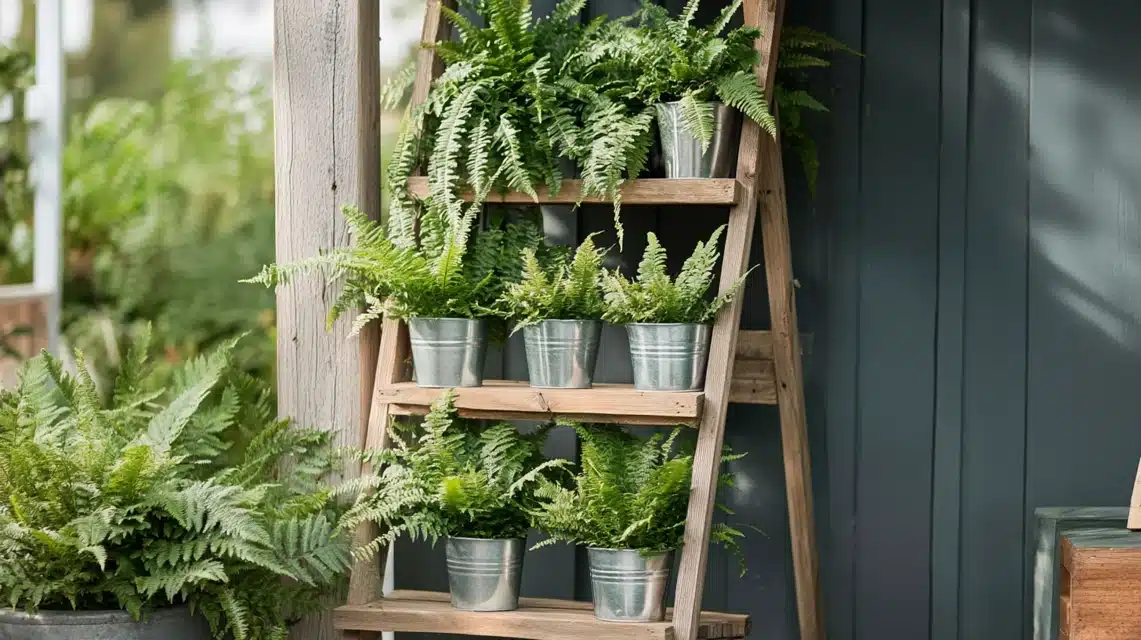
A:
(536, 619)
(652, 191)
(754, 382)
(515, 400)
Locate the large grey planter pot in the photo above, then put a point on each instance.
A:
(627, 586)
(562, 353)
(448, 352)
(669, 357)
(174, 623)
(682, 153)
(484, 575)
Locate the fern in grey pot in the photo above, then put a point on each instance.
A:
(454, 478)
(162, 495)
(669, 320)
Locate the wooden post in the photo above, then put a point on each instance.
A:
(327, 142)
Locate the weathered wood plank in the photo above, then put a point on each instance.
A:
(536, 619)
(327, 118)
(513, 400)
(640, 192)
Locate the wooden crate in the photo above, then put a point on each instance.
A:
(1100, 585)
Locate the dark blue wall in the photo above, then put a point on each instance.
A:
(971, 272)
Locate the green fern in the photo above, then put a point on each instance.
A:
(453, 479)
(451, 269)
(559, 287)
(182, 488)
(654, 297)
(802, 50)
(629, 493)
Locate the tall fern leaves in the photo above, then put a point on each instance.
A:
(654, 297)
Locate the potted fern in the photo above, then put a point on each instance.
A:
(628, 506)
(162, 512)
(458, 480)
(443, 280)
(668, 320)
(559, 308)
(698, 80)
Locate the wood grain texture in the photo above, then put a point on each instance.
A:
(641, 192)
(759, 168)
(1135, 503)
(1101, 587)
(517, 401)
(327, 144)
(536, 619)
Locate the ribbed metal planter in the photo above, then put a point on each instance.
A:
(682, 152)
(484, 575)
(669, 357)
(627, 586)
(562, 353)
(448, 352)
(174, 623)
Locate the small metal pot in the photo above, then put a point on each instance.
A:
(627, 586)
(562, 353)
(448, 352)
(483, 574)
(682, 152)
(173, 623)
(669, 357)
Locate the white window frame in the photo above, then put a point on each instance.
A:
(45, 109)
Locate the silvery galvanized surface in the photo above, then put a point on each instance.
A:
(627, 586)
(562, 353)
(669, 357)
(682, 152)
(484, 575)
(448, 352)
(174, 623)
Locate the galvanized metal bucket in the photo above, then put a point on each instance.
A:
(627, 586)
(562, 353)
(484, 575)
(448, 352)
(682, 153)
(174, 623)
(669, 357)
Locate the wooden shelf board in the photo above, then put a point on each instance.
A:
(660, 191)
(536, 619)
(514, 400)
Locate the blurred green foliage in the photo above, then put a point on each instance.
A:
(166, 205)
(15, 198)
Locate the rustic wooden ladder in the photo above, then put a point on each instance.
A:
(744, 366)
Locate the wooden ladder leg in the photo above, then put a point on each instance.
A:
(766, 188)
(367, 577)
(790, 392)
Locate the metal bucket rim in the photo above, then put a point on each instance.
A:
(485, 539)
(669, 324)
(716, 103)
(566, 321)
(656, 553)
(436, 318)
(81, 618)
